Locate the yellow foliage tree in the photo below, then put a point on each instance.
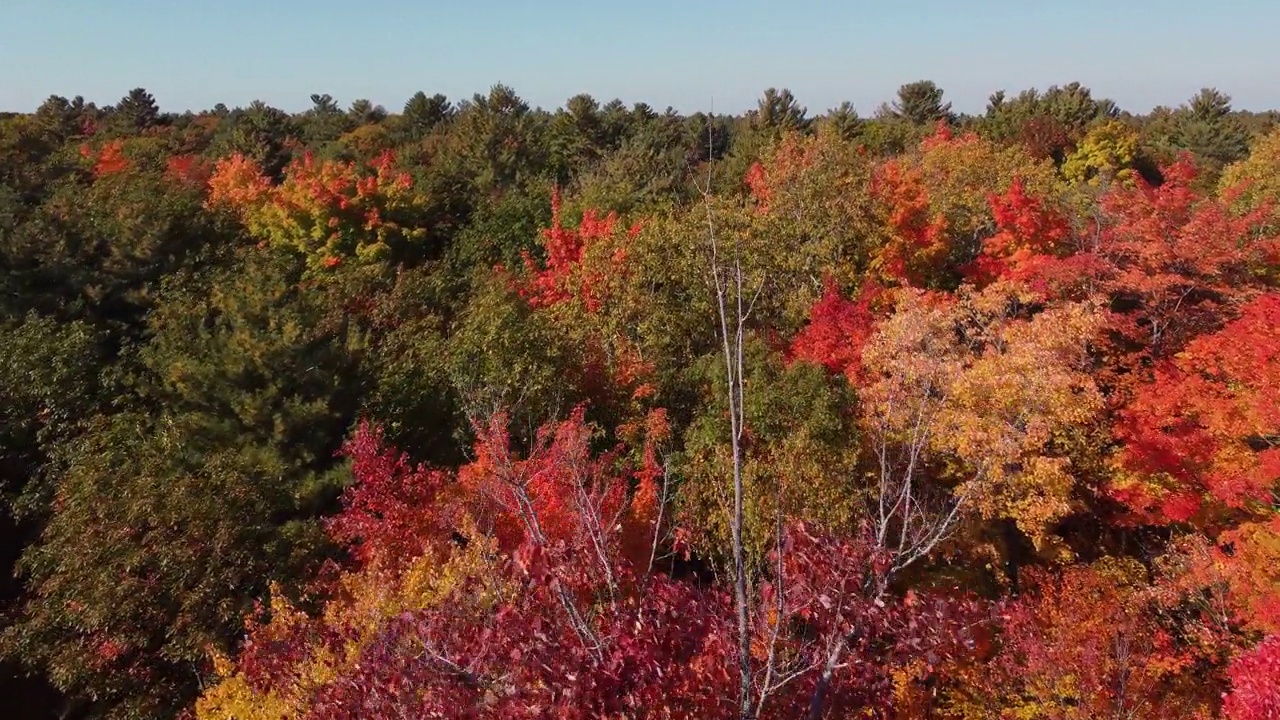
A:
(969, 392)
(1253, 184)
(1105, 155)
(363, 603)
(329, 212)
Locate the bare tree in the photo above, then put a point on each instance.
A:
(904, 408)
(908, 519)
(729, 285)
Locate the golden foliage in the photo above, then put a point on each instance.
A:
(1105, 155)
(982, 388)
(1254, 183)
(363, 602)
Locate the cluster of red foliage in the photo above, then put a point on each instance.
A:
(1060, 655)
(1174, 264)
(921, 235)
(1028, 234)
(580, 610)
(383, 522)
(1255, 683)
(564, 276)
(838, 329)
(581, 623)
(1189, 360)
(583, 264)
(108, 159)
(1202, 425)
(189, 169)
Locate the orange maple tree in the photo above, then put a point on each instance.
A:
(1202, 435)
(330, 212)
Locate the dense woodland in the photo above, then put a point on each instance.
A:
(485, 411)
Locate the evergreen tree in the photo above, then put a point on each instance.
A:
(422, 114)
(844, 121)
(1207, 127)
(263, 133)
(778, 111)
(709, 136)
(138, 109)
(323, 104)
(364, 112)
(325, 121)
(575, 136)
(920, 103)
(176, 510)
(501, 140)
(64, 118)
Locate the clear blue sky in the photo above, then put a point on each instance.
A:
(194, 53)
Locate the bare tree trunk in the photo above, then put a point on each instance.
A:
(733, 365)
(819, 696)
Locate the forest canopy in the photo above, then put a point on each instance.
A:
(481, 410)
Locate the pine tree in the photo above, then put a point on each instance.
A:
(920, 103)
(844, 121)
(422, 114)
(1207, 128)
(325, 121)
(263, 133)
(364, 112)
(138, 109)
(778, 111)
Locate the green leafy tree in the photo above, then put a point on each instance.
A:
(172, 515)
(801, 461)
(504, 355)
(32, 161)
(500, 231)
(49, 381)
(323, 104)
(1051, 123)
(413, 397)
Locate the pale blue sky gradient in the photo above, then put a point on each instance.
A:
(192, 54)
